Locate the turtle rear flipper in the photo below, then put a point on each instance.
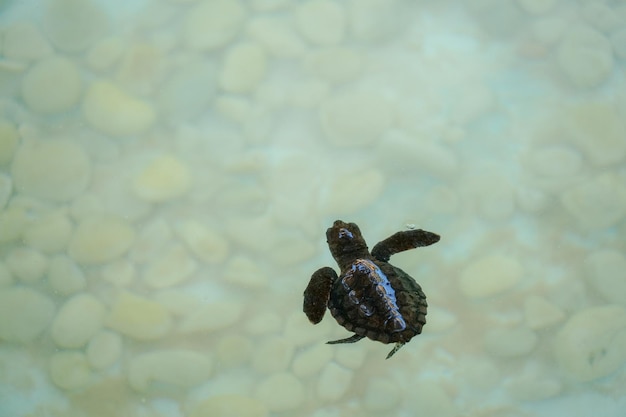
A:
(317, 293)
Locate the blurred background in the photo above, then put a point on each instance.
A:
(168, 169)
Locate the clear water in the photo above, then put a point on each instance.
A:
(168, 170)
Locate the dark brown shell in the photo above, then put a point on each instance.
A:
(379, 301)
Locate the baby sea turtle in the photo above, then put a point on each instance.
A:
(371, 297)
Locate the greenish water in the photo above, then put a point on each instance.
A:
(168, 170)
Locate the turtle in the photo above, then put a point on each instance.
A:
(370, 297)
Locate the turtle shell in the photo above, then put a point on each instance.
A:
(377, 300)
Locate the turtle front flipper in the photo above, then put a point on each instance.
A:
(401, 241)
(317, 293)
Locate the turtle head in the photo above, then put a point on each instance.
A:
(346, 242)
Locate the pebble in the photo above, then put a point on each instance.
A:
(204, 242)
(585, 57)
(244, 67)
(605, 273)
(52, 86)
(381, 395)
(6, 190)
(26, 264)
(74, 25)
(440, 320)
(244, 272)
(555, 162)
(322, 22)
(170, 268)
(50, 233)
(539, 313)
(310, 361)
(180, 368)
(69, 370)
(211, 25)
(177, 302)
(281, 392)
(475, 103)
(164, 178)
(6, 278)
(273, 355)
(230, 405)
(598, 129)
(596, 203)
(300, 332)
(601, 17)
(351, 357)
(355, 118)
(9, 140)
(374, 20)
(188, 92)
(263, 323)
(233, 350)
(104, 349)
(55, 170)
(77, 320)
(333, 383)
(13, 220)
(120, 273)
(24, 314)
(335, 64)
(113, 111)
(211, 317)
(104, 54)
(432, 399)
(532, 386)
(537, 6)
(100, 238)
(277, 36)
(24, 42)
(592, 344)
(510, 342)
(151, 240)
(340, 197)
(138, 317)
(490, 275)
(618, 41)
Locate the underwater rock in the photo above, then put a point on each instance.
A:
(6, 189)
(180, 368)
(601, 16)
(509, 343)
(113, 111)
(27, 264)
(322, 22)
(65, 276)
(277, 36)
(375, 20)
(233, 350)
(205, 243)
(335, 65)
(244, 67)
(333, 382)
(164, 178)
(281, 392)
(230, 405)
(104, 349)
(138, 317)
(9, 140)
(119, 273)
(537, 6)
(381, 395)
(273, 355)
(100, 238)
(351, 357)
(341, 197)
(244, 272)
(69, 370)
(177, 301)
(6, 278)
(605, 273)
(539, 313)
(585, 57)
(211, 317)
(311, 360)
(212, 24)
(592, 344)
(172, 267)
(73, 25)
(24, 314)
(55, 170)
(490, 275)
(598, 202)
(263, 323)
(24, 42)
(618, 41)
(355, 119)
(104, 54)
(440, 320)
(50, 233)
(77, 321)
(52, 85)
